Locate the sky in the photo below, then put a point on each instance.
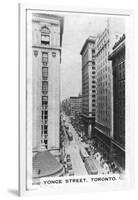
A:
(77, 28)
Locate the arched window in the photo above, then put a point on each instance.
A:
(45, 35)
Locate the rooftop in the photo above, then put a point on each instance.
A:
(118, 46)
(119, 41)
(89, 39)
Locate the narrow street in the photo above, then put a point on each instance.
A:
(77, 163)
(72, 148)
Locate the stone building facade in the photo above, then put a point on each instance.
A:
(118, 64)
(88, 85)
(47, 33)
(75, 105)
(104, 87)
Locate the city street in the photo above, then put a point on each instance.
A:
(72, 148)
(77, 163)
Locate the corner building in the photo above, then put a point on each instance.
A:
(47, 33)
(88, 85)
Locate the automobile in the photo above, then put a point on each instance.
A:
(68, 158)
(71, 173)
(69, 166)
(83, 153)
(90, 166)
(69, 163)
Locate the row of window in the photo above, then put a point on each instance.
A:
(44, 113)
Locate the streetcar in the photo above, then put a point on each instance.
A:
(83, 153)
(90, 166)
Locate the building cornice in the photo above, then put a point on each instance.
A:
(89, 39)
(87, 63)
(76, 97)
(46, 48)
(44, 16)
(118, 145)
(86, 116)
(119, 48)
(119, 41)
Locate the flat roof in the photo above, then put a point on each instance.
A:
(89, 39)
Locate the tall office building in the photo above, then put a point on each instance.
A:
(104, 87)
(88, 85)
(75, 105)
(118, 64)
(47, 33)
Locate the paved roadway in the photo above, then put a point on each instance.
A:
(72, 148)
(77, 163)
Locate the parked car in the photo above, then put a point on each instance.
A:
(71, 173)
(68, 158)
(90, 166)
(69, 166)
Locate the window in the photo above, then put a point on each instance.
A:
(93, 51)
(44, 98)
(44, 115)
(44, 58)
(45, 37)
(44, 73)
(44, 102)
(44, 86)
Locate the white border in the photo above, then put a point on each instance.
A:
(129, 182)
(22, 102)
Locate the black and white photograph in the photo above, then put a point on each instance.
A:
(76, 69)
(73, 128)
